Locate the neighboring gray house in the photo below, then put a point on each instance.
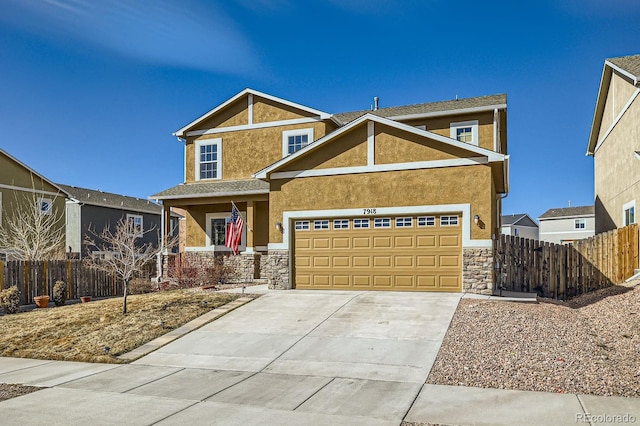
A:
(91, 209)
(568, 224)
(519, 225)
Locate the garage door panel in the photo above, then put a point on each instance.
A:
(394, 258)
(321, 261)
(341, 243)
(449, 261)
(321, 243)
(382, 242)
(426, 241)
(341, 261)
(449, 241)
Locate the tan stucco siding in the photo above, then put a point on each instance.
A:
(397, 146)
(442, 126)
(345, 151)
(617, 170)
(452, 185)
(245, 152)
(235, 114)
(265, 110)
(618, 94)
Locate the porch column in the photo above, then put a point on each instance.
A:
(250, 223)
(166, 227)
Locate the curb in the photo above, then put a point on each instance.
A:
(194, 324)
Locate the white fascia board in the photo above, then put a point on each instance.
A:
(491, 156)
(464, 209)
(253, 126)
(507, 172)
(598, 110)
(323, 115)
(623, 72)
(380, 168)
(575, 216)
(448, 112)
(211, 195)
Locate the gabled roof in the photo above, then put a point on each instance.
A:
(628, 66)
(521, 219)
(456, 106)
(181, 132)
(12, 158)
(567, 212)
(491, 155)
(214, 188)
(111, 200)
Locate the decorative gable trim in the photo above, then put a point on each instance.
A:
(370, 118)
(250, 100)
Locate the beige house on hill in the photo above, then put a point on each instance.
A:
(567, 224)
(614, 143)
(400, 198)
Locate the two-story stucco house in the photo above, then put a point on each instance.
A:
(400, 198)
(567, 224)
(614, 143)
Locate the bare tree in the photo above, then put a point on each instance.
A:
(117, 252)
(33, 228)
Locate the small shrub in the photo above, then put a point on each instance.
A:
(139, 286)
(191, 271)
(60, 293)
(10, 300)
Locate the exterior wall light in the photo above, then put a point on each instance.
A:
(279, 226)
(476, 219)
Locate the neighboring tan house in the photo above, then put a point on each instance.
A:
(566, 225)
(89, 211)
(519, 225)
(614, 143)
(20, 185)
(400, 198)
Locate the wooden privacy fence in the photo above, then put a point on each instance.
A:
(561, 271)
(36, 278)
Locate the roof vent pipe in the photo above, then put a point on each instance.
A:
(375, 103)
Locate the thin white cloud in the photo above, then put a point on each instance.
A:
(166, 32)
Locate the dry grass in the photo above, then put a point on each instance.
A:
(81, 332)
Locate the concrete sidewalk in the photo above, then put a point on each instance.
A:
(292, 357)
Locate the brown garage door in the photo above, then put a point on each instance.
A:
(414, 253)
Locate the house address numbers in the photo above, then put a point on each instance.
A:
(369, 211)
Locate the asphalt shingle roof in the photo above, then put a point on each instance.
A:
(568, 212)
(219, 188)
(426, 108)
(630, 64)
(108, 199)
(510, 219)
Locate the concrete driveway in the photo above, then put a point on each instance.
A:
(291, 357)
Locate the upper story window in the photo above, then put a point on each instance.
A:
(134, 222)
(45, 206)
(293, 140)
(465, 131)
(209, 159)
(580, 223)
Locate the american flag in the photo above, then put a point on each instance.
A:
(234, 230)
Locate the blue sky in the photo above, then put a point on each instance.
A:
(91, 91)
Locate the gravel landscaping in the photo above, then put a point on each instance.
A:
(8, 391)
(588, 345)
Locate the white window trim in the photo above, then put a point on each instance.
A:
(224, 215)
(285, 138)
(341, 221)
(580, 221)
(137, 216)
(215, 141)
(49, 201)
(626, 207)
(474, 130)
(385, 223)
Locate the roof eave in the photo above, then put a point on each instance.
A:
(209, 195)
